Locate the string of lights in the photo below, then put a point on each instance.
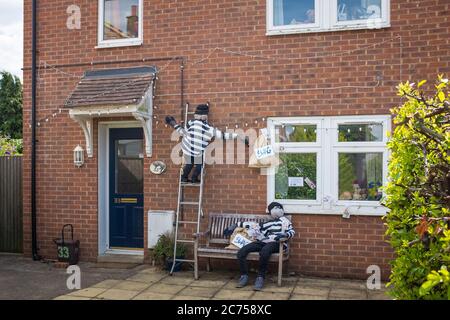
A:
(43, 65)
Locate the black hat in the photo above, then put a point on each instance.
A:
(273, 205)
(202, 109)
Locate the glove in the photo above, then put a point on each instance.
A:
(171, 121)
(229, 230)
(281, 236)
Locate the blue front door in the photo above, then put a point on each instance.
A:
(126, 187)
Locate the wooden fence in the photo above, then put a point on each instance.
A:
(11, 204)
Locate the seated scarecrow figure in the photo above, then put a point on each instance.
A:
(196, 137)
(279, 228)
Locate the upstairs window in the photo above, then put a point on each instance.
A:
(120, 23)
(298, 16)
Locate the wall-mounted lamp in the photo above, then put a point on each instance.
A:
(78, 156)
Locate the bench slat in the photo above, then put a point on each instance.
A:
(231, 254)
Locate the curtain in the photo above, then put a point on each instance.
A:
(278, 17)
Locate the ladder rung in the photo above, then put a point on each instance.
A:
(185, 241)
(187, 184)
(184, 260)
(187, 222)
(190, 112)
(189, 202)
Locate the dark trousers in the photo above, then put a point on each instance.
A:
(190, 162)
(265, 251)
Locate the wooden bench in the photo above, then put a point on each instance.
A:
(216, 242)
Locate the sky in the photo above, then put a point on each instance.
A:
(11, 36)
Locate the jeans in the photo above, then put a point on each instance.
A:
(190, 162)
(265, 251)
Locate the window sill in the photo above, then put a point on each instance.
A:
(354, 210)
(280, 32)
(113, 44)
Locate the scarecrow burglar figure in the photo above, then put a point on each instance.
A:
(272, 232)
(196, 137)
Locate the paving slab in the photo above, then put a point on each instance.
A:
(107, 284)
(118, 294)
(146, 278)
(226, 294)
(165, 288)
(208, 283)
(317, 282)
(177, 280)
(275, 288)
(231, 285)
(147, 295)
(349, 284)
(270, 296)
(347, 294)
(67, 297)
(311, 290)
(307, 297)
(88, 292)
(199, 291)
(131, 285)
(178, 297)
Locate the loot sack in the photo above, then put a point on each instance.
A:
(239, 238)
(263, 154)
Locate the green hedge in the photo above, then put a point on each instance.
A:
(417, 193)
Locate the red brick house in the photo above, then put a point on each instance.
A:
(319, 74)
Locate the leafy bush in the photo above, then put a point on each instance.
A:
(10, 105)
(10, 147)
(164, 248)
(417, 194)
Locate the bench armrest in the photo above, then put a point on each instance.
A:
(198, 235)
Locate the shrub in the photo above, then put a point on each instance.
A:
(10, 147)
(417, 194)
(164, 249)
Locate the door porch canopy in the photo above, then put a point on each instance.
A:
(121, 92)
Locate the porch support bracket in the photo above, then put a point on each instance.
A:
(86, 125)
(146, 122)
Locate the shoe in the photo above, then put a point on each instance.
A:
(195, 180)
(243, 280)
(184, 180)
(259, 284)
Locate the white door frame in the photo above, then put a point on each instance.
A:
(103, 185)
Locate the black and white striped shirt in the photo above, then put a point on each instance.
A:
(272, 228)
(197, 135)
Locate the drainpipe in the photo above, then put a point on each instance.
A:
(34, 248)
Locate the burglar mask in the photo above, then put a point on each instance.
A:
(276, 210)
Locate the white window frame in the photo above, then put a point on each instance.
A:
(327, 20)
(119, 42)
(327, 148)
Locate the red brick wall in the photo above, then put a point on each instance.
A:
(415, 47)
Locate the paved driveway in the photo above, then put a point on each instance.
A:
(151, 284)
(23, 278)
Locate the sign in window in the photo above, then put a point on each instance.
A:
(296, 177)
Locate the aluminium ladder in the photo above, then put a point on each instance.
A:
(180, 208)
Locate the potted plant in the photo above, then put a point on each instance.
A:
(163, 252)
